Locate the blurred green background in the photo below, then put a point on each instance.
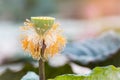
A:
(92, 29)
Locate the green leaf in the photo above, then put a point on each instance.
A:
(98, 73)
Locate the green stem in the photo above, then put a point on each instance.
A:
(41, 63)
(41, 70)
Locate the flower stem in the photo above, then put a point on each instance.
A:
(41, 63)
(41, 70)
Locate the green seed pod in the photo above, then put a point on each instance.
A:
(42, 24)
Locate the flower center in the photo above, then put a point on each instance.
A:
(42, 24)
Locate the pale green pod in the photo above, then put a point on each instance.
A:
(42, 24)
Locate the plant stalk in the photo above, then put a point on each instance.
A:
(41, 63)
(41, 70)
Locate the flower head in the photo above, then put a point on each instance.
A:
(42, 37)
(42, 24)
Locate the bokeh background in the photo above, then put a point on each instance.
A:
(92, 29)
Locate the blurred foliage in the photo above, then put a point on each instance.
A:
(99, 73)
(22, 9)
(113, 59)
(50, 72)
(30, 76)
(91, 52)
